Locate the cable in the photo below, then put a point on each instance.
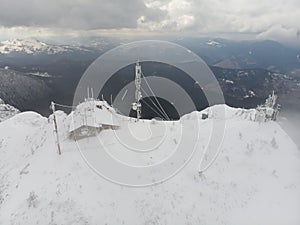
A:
(161, 112)
(154, 110)
(155, 96)
(66, 106)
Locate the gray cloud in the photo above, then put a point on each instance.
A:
(280, 33)
(76, 14)
(276, 19)
(233, 15)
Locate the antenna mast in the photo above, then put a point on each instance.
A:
(55, 127)
(138, 94)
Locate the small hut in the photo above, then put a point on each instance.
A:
(92, 116)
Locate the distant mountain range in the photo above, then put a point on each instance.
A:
(30, 46)
(28, 55)
(229, 54)
(223, 53)
(34, 72)
(35, 47)
(25, 91)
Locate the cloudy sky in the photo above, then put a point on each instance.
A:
(265, 19)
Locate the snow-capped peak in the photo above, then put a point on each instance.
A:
(28, 46)
(214, 43)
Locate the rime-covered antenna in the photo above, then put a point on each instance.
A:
(138, 94)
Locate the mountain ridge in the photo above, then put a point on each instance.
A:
(34, 47)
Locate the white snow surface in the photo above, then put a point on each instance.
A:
(255, 179)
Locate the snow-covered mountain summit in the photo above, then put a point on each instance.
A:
(29, 46)
(255, 179)
(33, 46)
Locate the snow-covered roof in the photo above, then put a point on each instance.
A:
(93, 113)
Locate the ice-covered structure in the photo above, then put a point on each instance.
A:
(269, 110)
(91, 116)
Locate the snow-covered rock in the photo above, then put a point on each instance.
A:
(255, 179)
(229, 82)
(214, 43)
(7, 111)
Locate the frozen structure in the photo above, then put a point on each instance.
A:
(137, 106)
(269, 110)
(91, 116)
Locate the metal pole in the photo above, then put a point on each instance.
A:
(55, 127)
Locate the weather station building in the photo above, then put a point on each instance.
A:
(92, 116)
